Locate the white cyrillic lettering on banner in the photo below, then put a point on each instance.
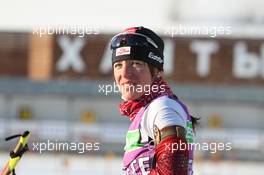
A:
(203, 49)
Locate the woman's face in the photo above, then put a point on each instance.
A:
(131, 77)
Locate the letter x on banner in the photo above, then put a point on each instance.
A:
(71, 54)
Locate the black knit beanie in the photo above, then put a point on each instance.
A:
(138, 43)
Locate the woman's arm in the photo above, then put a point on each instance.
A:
(171, 152)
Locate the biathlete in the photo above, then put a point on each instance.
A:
(161, 126)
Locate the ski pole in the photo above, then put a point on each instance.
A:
(17, 153)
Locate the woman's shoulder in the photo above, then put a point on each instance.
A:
(163, 111)
(165, 105)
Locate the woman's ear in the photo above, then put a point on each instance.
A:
(157, 73)
(160, 73)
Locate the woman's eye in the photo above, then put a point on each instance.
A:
(137, 63)
(117, 65)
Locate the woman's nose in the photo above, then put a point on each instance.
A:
(126, 70)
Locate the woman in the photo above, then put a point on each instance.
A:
(161, 128)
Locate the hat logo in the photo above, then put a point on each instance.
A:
(155, 57)
(123, 51)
